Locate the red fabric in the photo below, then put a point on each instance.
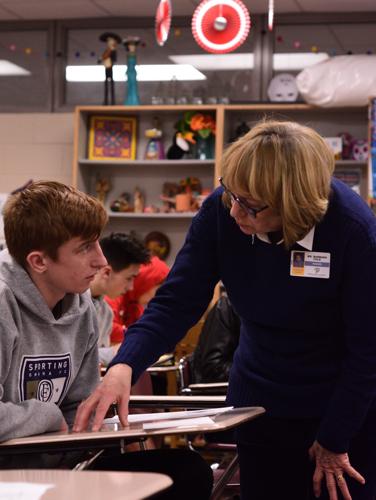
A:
(126, 308)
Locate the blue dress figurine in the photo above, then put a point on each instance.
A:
(132, 97)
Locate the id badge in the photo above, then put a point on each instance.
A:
(310, 264)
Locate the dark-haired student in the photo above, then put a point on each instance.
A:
(124, 254)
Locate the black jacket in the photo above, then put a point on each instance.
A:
(217, 343)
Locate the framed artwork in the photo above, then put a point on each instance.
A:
(112, 138)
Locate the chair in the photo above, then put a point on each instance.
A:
(186, 379)
(225, 471)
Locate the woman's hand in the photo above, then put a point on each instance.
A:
(332, 467)
(114, 388)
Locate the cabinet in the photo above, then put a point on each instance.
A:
(149, 175)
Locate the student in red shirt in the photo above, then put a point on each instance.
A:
(129, 306)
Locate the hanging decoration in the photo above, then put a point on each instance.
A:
(163, 21)
(220, 26)
(271, 15)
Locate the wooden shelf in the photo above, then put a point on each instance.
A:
(149, 163)
(157, 215)
(351, 163)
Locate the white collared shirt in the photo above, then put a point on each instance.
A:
(306, 242)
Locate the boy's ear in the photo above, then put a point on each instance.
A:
(36, 260)
(105, 271)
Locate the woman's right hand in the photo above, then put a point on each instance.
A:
(114, 388)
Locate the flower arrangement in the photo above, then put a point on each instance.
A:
(190, 185)
(195, 125)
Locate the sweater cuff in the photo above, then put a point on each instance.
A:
(134, 355)
(331, 440)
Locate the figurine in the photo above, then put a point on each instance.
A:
(169, 192)
(108, 59)
(359, 151)
(102, 187)
(154, 149)
(138, 201)
(282, 88)
(179, 147)
(347, 141)
(130, 43)
(122, 204)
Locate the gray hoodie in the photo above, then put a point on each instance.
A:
(47, 365)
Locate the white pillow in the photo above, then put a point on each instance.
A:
(340, 81)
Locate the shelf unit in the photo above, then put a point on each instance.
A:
(149, 175)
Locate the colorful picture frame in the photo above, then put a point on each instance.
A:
(112, 138)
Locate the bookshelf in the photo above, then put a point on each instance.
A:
(149, 175)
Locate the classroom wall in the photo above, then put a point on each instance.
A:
(35, 146)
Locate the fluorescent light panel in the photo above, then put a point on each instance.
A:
(145, 73)
(297, 60)
(8, 68)
(187, 67)
(220, 62)
(245, 61)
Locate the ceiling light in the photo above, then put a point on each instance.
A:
(220, 62)
(8, 68)
(145, 73)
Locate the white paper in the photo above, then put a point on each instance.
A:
(181, 423)
(172, 415)
(23, 491)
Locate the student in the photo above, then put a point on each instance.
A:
(307, 349)
(129, 307)
(49, 332)
(124, 255)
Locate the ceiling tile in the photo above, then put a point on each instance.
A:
(51, 9)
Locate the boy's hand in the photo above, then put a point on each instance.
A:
(114, 388)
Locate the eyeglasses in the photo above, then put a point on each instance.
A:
(243, 204)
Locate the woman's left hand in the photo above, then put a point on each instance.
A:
(332, 467)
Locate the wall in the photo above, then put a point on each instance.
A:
(35, 146)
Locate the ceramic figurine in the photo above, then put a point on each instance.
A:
(108, 59)
(154, 149)
(132, 97)
(138, 201)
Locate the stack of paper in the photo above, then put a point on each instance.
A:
(187, 418)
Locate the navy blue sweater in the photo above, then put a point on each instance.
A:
(307, 346)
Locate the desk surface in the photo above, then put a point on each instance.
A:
(112, 433)
(72, 485)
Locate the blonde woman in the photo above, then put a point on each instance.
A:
(307, 350)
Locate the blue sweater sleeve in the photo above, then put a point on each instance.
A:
(356, 388)
(183, 298)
